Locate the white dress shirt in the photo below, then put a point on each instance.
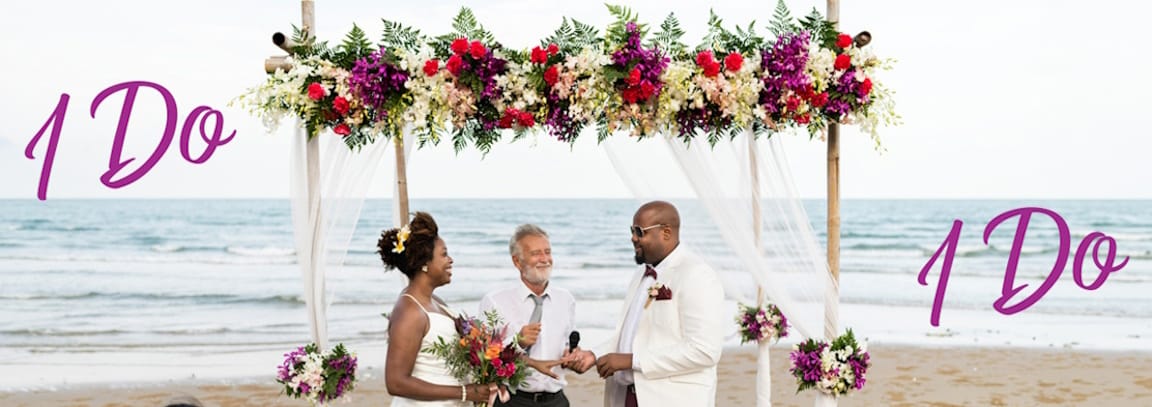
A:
(557, 321)
(631, 322)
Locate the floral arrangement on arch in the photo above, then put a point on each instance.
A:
(318, 377)
(483, 353)
(762, 323)
(835, 368)
(466, 86)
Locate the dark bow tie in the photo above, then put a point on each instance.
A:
(650, 272)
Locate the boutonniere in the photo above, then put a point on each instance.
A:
(658, 292)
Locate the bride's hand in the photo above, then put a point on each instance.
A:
(544, 366)
(479, 392)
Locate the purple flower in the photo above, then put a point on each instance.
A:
(375, 81)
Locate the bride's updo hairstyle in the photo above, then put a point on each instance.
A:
(409, 248)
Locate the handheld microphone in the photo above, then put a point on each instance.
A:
(573, 340)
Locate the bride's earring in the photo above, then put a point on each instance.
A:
(424, 269)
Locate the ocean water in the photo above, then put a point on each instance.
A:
(172, 280)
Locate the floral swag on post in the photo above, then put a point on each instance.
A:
(760, 324)
(468, 85)
(834, 368)
(319, 378)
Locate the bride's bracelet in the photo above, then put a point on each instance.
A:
(463, 393)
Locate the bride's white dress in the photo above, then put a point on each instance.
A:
(428, 367)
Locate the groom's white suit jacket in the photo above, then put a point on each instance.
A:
(678, 341)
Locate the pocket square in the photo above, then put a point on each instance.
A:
(663, 293)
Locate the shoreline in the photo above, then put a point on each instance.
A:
(899, 376)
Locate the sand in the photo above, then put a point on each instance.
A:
(900, 376)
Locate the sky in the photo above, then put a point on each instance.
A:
(1001, 100)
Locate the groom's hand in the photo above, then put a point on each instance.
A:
(612, 363)
(528, 334)
(579, 360)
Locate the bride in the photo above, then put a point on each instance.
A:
(412, 377)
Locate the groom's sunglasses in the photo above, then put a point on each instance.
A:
(639, 231)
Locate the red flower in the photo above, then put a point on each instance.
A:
(866, 86)
(792, 103)
(630, 95)
(340, 105)
(431, 67)
(704, 58)
(342, 129)
(843, 40)
(526, 119)
(316, 92)
(505, 121)
(478, 50)
(803, 119)
(646, 90)
(712, 69)
(820, 100)
(551, 75)
(843, 61)
(539, 56)
(454, 64)
(734, 61)
(460, 46)
(634, 76)
(553, 49)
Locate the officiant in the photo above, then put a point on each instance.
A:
(544, 314)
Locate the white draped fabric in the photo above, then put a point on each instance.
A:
(328, 186)
(788, 267)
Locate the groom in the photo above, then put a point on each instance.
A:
(665, 350)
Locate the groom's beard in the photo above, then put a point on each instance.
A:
(538, 274)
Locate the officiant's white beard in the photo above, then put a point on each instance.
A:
(538, 274)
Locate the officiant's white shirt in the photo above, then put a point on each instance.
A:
(557, 321)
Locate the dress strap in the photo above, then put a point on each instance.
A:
(418, 304)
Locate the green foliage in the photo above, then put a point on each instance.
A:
(824, 32)
(466, 26)
(574, 35)
(396, 36)
(782, 21)
(617, 33)
(744, 39)
(355, 46)
(668, 38)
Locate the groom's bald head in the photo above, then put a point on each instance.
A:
(660, 222)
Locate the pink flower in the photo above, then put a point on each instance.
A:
(342, 129)
(478, 50)
(460, 46)
(843, 61)
(431, 67)
(340, 105)
(316, 92)
(734, 61)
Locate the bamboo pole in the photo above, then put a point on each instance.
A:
(312, 156)
(401, 181)
(832, 303)
(757, 216)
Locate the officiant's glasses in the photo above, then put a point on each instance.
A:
(639, 231)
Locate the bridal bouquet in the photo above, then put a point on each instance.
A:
(480, 355)
(319, 378)
(763, 323)
(834, 369)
